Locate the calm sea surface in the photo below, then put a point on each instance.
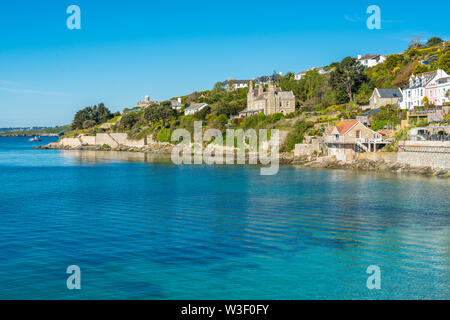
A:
(142, 228)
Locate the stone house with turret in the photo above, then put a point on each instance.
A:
(268, 100)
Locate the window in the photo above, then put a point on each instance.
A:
(358, 134)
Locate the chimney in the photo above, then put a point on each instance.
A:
(359, 56)
(179, 100)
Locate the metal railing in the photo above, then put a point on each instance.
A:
(343, 139)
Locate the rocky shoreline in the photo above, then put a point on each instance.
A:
(378, 166)
(363, 165)
(157, 148)
(286, 158)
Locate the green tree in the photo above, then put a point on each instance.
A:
(129, 119)
(348, 76)
(444, 61)
(312, 81)
(159, 113)
(201, 115)
(97, 114)
(434, 41)
(80, 117)
(426, 102)
(392, 61)
(218, 86)
(420, 68)
(89, 124)
(101, 114)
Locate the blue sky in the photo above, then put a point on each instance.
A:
(128, 49)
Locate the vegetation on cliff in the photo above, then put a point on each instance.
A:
(322, 100)
(91, 116)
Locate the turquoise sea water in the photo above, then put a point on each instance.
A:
(142, 228)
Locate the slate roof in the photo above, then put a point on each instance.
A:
(196, 106)
(175, 103)
(286, 95)
(389, 93)
(371, 111)
(234, 81)
(427, 76)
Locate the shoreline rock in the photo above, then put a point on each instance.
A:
(285, 158)
(371, 165)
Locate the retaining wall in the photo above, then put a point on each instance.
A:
(122, 139)
(70, 142)
(435, 160)
(89, 140)
(390, 157)
(105, 138)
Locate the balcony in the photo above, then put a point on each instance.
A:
(350, 140)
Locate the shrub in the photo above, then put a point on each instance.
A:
(276, 117)
(163, 135)
(201, 115)
(255, 121)
(129, 119)
(296, 135)
(420, 68)
(89, 124)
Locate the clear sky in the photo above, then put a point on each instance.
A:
(128, 49)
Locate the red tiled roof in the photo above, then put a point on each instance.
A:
(343, 126)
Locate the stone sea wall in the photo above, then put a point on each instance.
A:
(70, 142)
(388, 157)
(418, 157)
(114, 140)
(425, 153)
(413, 153)
(434, 160)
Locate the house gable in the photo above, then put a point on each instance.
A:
(364, 132)
(349, 129)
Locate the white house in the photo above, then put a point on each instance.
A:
(370, 60)
(428, 84)
(235, 84)
(321, 70)
(193, 108)
(437, 88)
(300, 75)
(442, 88)
(176, 104)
